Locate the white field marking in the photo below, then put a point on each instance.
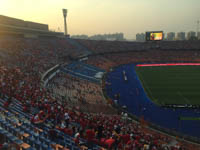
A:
(147, 88)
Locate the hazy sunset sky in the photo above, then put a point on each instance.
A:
(108, 16)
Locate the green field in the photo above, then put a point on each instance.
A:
(171, 84)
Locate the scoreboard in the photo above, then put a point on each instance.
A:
(154, 36)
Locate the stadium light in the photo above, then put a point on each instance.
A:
(197, 28)
(65, 20)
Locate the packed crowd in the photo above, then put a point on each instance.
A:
(23, 61)
(119, 46)
(21, 65)
(110, 46)
(101, 62)
(153, 56)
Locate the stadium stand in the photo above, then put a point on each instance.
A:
(143, 56)
(76, 89)
(117, 46)
(35, 117)
(84, 71)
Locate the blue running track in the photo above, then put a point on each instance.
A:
(134, 97)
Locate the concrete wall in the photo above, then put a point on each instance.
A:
(11, 21)
(38, 26)
(16, 27)
(23, 24)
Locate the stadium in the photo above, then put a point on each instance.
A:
(62, 93)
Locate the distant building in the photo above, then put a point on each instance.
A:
(198, 35)
(105, 37)
(140, 37)
(164, 36)
(171, 36)
(181, 36)
(191, 35)
(83, 36)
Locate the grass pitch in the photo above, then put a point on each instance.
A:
(171, 84)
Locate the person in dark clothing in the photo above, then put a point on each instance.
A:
(99, 132)
(7, 103)
(52, 134)
(118, 129)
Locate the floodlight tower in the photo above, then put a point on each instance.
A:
(65, 21)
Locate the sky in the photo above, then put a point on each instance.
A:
(108, 16)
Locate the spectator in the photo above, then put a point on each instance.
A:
(90, 135)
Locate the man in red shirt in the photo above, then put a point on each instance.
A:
(90, 135)
(109, 142)
(131, 144)
(125, 138)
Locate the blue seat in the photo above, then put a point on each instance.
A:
(31, 148)
(75, 148)
(21, 132)
(9, 128)
(9, 135)
(38, 145)
(31, 140)
(19, 142)
(4, 132)
(50, 148)
(69, 145)
(23, 127)
(4, 125)
(11, 138)
(26, 140)
(14, 131)
(68, 141)
(37, 141)
(62, 143)
(48, 142)
(44, 146)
